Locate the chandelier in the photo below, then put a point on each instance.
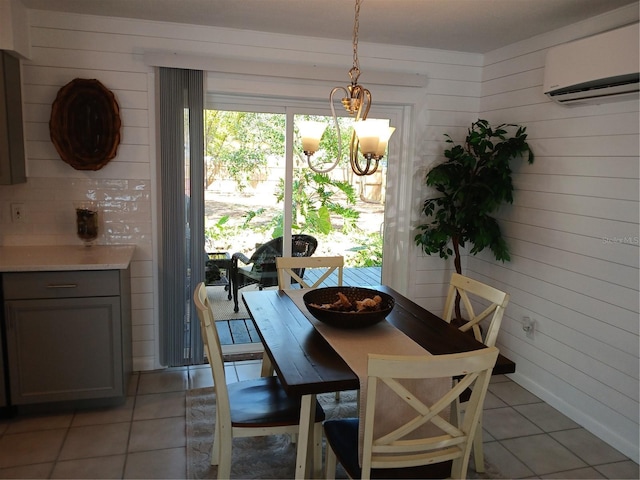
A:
(369, 137)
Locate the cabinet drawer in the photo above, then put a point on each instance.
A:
(32, 285)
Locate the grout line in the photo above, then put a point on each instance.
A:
(133, 411)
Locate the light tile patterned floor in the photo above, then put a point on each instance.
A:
(145, 437)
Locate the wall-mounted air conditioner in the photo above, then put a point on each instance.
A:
(595, 69)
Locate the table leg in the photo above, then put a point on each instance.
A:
(306, 439)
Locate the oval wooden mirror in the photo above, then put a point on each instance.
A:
(85, 124)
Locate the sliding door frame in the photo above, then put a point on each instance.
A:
(399, 179)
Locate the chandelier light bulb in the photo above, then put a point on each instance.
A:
(368, 135)
(384, 141)
(311, 133)
(373, 137)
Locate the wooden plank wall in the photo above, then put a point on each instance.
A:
(68, 46)
(574, 239)
(572, 230)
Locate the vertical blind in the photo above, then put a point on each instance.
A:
(182, 254)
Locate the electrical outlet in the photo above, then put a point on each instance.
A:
(528, 325)
(17, 213)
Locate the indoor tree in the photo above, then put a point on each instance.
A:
(471, 184)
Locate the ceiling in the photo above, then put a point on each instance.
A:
(463, 25)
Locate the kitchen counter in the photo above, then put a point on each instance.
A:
(65, 323)
(65, 257)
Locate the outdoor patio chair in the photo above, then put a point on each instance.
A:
(260, 268)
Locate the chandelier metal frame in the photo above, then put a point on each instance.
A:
(357, 103)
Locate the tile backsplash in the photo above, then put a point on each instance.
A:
(124, 208)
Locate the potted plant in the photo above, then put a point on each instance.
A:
(472, 183)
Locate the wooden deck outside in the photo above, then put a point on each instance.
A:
(240, 336)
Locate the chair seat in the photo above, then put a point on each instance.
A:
(342, 434)
(263, 402)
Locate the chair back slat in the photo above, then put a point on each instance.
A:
(292, 266)
(408, 444)
(464, 287)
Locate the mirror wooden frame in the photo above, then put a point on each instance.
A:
(85, 124)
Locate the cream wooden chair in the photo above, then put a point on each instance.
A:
(465, 286)
(293, 266)
(250, 408)
(404, 452)
(468, 289)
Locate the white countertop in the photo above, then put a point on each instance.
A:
(47, 258)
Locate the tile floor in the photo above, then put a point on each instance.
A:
(145, 438)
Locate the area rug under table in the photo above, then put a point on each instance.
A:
(270, 457)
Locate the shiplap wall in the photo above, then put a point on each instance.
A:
(574, 238)
(112, 50)
(64, 48)
(573, 234)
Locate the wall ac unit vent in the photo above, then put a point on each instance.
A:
(597, 69)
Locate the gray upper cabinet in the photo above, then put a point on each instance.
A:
(12, 154)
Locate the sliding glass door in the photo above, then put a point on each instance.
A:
(251, 184)
(259, 186)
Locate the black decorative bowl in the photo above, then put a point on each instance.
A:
(348, 319)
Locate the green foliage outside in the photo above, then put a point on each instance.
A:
(218, 230)
(239, 145)
(472, 184)
(317, 202)
(369, 254)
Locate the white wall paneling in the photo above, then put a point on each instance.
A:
(573, 235)
(113, 50)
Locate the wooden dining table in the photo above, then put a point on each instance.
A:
(307, 365)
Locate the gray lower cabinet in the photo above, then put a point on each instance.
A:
(67, 335)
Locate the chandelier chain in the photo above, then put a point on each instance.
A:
(357, 102)
(356, 62)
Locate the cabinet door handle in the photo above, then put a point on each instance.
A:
(63, 285)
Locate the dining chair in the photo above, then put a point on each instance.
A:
(465, 286)
(289, 271)
(250, 408)
(293, 266)
(425, 445)
(468, 288)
